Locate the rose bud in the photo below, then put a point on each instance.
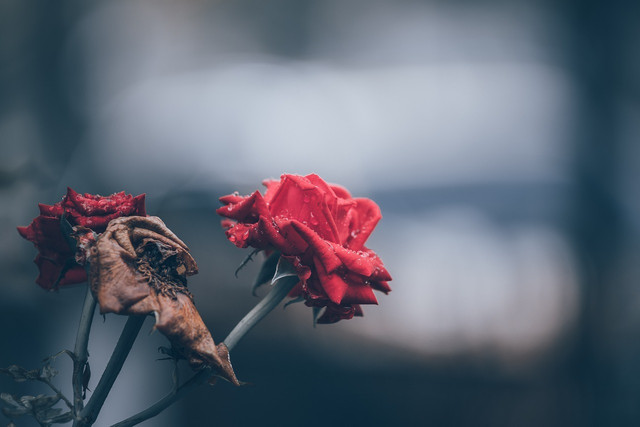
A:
(55, 258)
(138, 267)
(321, 230)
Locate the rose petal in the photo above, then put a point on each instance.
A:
(322, 249)
(299, 199)
(249, 209)
(366, 215)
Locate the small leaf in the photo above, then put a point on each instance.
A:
(49, 413)
(40, 401)
(47, 416)
(55, 356)
(26, 401)
(41, 407)
(10, 400)
(47, 372)
(20, 374)
(15, 412)
(267, 270)
(283, 269)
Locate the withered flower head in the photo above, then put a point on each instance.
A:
(55, 257)
(137, 267)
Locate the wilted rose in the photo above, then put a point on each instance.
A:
(321, 229)
(138, 267)
(55, 258)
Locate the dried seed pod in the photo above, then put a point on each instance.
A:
(139, 266)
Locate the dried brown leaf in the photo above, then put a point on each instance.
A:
(138, 266)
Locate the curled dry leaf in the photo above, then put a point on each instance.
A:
(137, 267)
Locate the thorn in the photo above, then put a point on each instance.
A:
(316, 314)
(293, 301)
(86, 376)
(67, 231)
(246, 261)
(153, 328)
(68, 264)
(267, 270)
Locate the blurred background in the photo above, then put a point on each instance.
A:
(498, 137)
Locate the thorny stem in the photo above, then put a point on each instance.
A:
(264, 307)
(125, 342)
(80, 351)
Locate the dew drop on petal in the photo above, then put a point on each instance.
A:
(313, 219)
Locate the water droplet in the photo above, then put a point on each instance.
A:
(232, 238)
(313, 219)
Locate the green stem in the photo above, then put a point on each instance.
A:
(280, 290)
(264, 307)
(125, 342)
(80, 352)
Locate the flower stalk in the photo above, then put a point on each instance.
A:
(123, 347)
(81, 353)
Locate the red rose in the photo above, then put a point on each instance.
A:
(321, 229)
(91, 211)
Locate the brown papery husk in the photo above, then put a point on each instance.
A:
(128, 275)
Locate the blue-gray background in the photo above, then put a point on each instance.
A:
(498, 137)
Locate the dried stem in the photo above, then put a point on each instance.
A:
(80, 352)
(57, 391)
(264, 307)
(125, 342)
